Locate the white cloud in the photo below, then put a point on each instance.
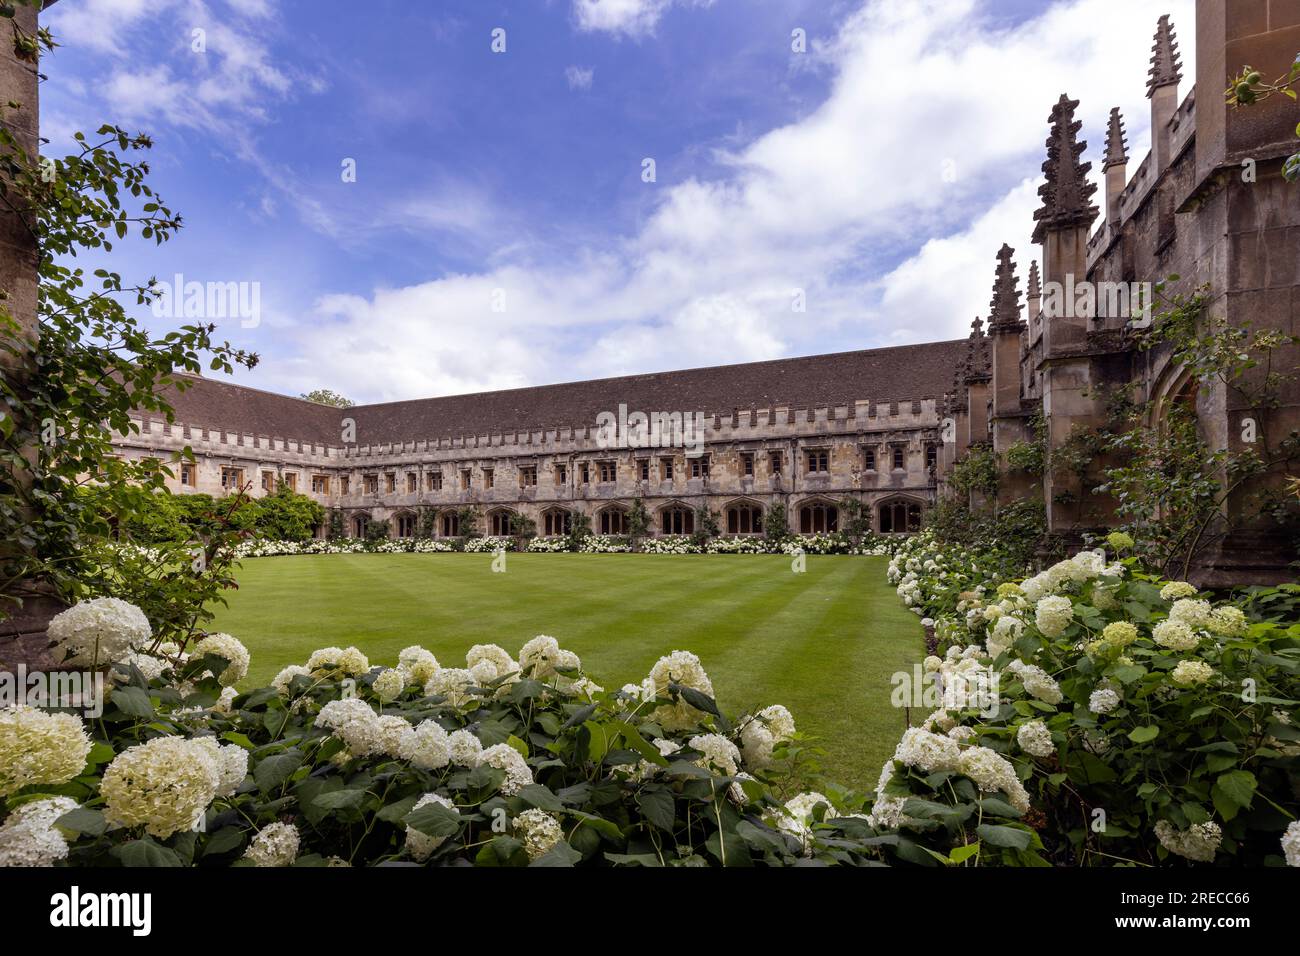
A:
(99, 24)
(851, 204)
(625, 17)
(579, 78)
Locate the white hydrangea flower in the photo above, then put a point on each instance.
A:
(419, 845)
(98, 632)
(498, 659)
(1177, 589)
(761, 733)
(389, 684)
(338, 662)
(538, 830)
(992, 772)
(464, 748)
(1035, 739)
(507, 758)
(426, 746)
(1291, 843)
(1200, 842)
(483, 673)
(275, 845)
(1175, 635)
(150, 666)
(1053, 615)
(230, 649)
(684, 668)
(1103, 700)
(926, 751)
(1228, 621)
(1189, 673)
(720, 754)
(453, 684)
(940, 719)
(40, 748)
(1195, 614)
(29, 836)
(932, 664)
(539, 657)
(417, 664)
(796, 817)
(282, 680)
(1038, 683)
(336, 713)
(231, 763)
(164, 785)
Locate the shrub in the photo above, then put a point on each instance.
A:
(1129, 720)
(504, 762)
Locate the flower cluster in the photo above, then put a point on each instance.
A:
(98, 632)
(40, 748)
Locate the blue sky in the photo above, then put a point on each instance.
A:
(499, 232)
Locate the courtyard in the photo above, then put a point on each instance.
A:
(823, 643)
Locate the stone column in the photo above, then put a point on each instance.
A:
(22, 634)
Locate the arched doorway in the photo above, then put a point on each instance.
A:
(898, 516)
(819, 517)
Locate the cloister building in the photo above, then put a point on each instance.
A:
(803, 434)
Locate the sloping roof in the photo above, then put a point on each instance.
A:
(901, 373)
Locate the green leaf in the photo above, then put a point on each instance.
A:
(696, 699)
(1233, 791)
(84, 821)
(963, 853)
(559, 855)
(1012, 837)
(1141, 735)
(339, 800)
(145, 853)
(272, 772)
(659, 807)
(223, 841)
(435, 820)
(133, 702)
(537, 795)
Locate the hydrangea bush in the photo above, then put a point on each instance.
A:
(1134, 721)
(499, 760)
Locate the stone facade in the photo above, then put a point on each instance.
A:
(806, 459)
(1209, 205)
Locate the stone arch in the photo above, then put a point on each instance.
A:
(360, 524)
(406, 524)
(742, 516)
(899, 514)
(818, 515)
(611, 519)
(556, 521)
(675, 517)
(499, 522)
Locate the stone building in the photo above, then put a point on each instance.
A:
(1209, 205)
(801, 433)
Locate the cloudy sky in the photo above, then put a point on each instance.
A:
(500, 230)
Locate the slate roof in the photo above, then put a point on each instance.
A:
(901, 373)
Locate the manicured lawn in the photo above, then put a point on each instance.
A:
(824, 643)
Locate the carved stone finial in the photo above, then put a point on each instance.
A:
(1035, 284)
(1116, 141)
(1067, 193)
(1166, 67)
(1004, 309)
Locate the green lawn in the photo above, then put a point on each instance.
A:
(823, 643)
